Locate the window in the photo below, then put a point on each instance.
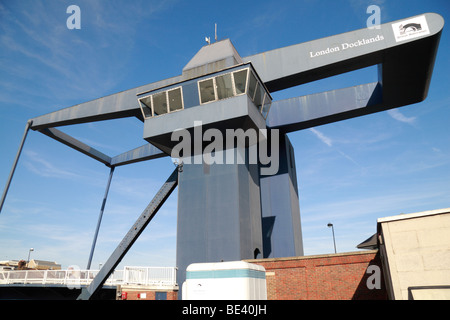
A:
(224, 86)
(252, 82)
(175, 99)
(207, 93)
(240, 81)
(146, 104)
(266, 106)
(220, 87)
(162, 102)
(259, 96)
(159, 103)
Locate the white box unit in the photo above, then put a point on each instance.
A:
(235, 280)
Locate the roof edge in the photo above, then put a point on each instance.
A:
(414, 215)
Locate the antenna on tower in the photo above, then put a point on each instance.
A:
(208, 39)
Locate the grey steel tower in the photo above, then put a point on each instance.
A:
(227, 210)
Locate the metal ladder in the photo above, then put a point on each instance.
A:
(132, 235)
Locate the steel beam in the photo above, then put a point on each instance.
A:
(100, 216)
(132, 235)
(316, 109)
(16, 160)
(403, 60)
(118, 105)
(143, 153)
(76, 144)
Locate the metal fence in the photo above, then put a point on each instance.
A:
(163, 276)
(150, 276)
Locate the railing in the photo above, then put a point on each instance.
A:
(150, 275)
(162, 276)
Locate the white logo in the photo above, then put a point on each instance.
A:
(410, 29)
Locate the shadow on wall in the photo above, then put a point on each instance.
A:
(372, 285)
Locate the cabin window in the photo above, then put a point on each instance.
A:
(240, 81)
(207, 92)
(224, 86)
(175, 99)
(162, 102)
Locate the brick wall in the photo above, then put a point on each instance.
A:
(324, 277)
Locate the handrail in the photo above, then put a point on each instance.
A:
(162, 276)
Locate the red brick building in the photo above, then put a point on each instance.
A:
(342, 276)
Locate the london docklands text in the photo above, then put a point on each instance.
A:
(345, 46)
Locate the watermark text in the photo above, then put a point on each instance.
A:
(74, 20)
(236, 147)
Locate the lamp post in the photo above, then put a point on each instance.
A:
(29, 252)
(334, 240)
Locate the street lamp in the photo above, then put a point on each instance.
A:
(334, 240)
(29, 252)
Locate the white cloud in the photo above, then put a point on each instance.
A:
(379, 205)
(397, 115)
(329, 143)
(44, 168)
(322, 137)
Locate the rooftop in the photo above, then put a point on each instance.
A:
(413, 215)
(212, 58)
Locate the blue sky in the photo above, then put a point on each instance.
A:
(349, 173)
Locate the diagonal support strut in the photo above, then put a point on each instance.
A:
(132, 235)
